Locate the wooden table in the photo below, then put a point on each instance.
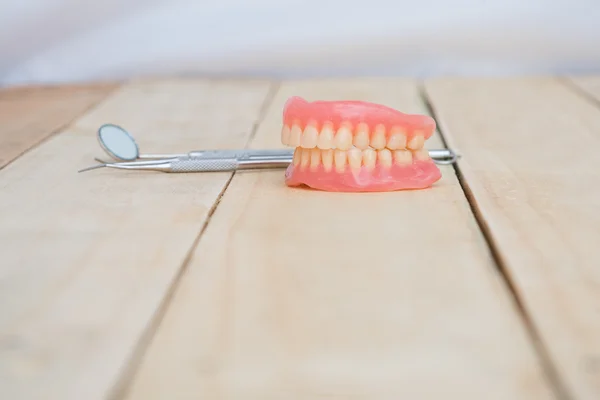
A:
(125, 285)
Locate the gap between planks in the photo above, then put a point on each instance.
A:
(31, 115)
(538, 210)
(120, 388)
(548, 366)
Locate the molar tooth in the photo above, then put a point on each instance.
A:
(304, 158)
(343, 138)
(369, 157)
(378, 139)
(327, 156)
(309, 138)
(295, 136)
(361, 139)
(339, 157)
(421, 154)
(315, 158)
(325, 140)
(355, 158)
(385, 157)
(297, 155)
(397, 139)
(403, 157)
(417, 141)
(285, 134)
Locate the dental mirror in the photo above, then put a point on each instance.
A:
(117, 142)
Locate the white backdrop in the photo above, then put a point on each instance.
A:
(50, 41)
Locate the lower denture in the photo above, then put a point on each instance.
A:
(353, 146)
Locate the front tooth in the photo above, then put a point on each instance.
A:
(325, 140)
(304, 158)
(403, 157)
(378, 139)
(361, 139)
(385, 157)
(417, 141)
(422, 154)
(327, 156)
(315, 158)
(369, 157)
(285, 135)
(343, 138)
(339, 157)
(309, 138)
(295, 136)
(297, 155)
(397, 139)
(355, 158)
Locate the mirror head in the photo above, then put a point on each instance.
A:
(117, 142)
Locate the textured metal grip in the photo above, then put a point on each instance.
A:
(204, 165)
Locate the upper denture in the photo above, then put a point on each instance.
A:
(350, 123)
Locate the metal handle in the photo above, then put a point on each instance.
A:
(204, 165)
(242, 153)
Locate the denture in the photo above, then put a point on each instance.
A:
(355, 146)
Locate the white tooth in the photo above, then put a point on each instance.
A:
(369, 158)
(310, 136)
(297, 155)
(315, 158)
(343, 138)
(339, 157)
(325, 140)
(402, 157)
(327, 156)
(378, 138)
(361, 139)
(304, 158)
(417, 141)
(397, 139)
(421, 154)
(385, 157)
(355, 158)
(285, 135)
(295, 136)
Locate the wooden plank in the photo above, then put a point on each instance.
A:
(28, 115)
(87, 259)
(306, 294)
(530, 164)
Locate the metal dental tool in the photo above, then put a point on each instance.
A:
(120, 145)
(232, 163)
(202, 164)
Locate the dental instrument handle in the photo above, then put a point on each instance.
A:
(203, 164)
(226, 164)
(214, 153)
(257, 158)
(192, 164)
(243, 153)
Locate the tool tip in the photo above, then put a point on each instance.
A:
(91, 168)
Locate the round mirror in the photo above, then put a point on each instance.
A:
(117, 142)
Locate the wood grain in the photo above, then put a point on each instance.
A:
(295, 294)
(531, 164)
(28, 115)
(87, 259)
